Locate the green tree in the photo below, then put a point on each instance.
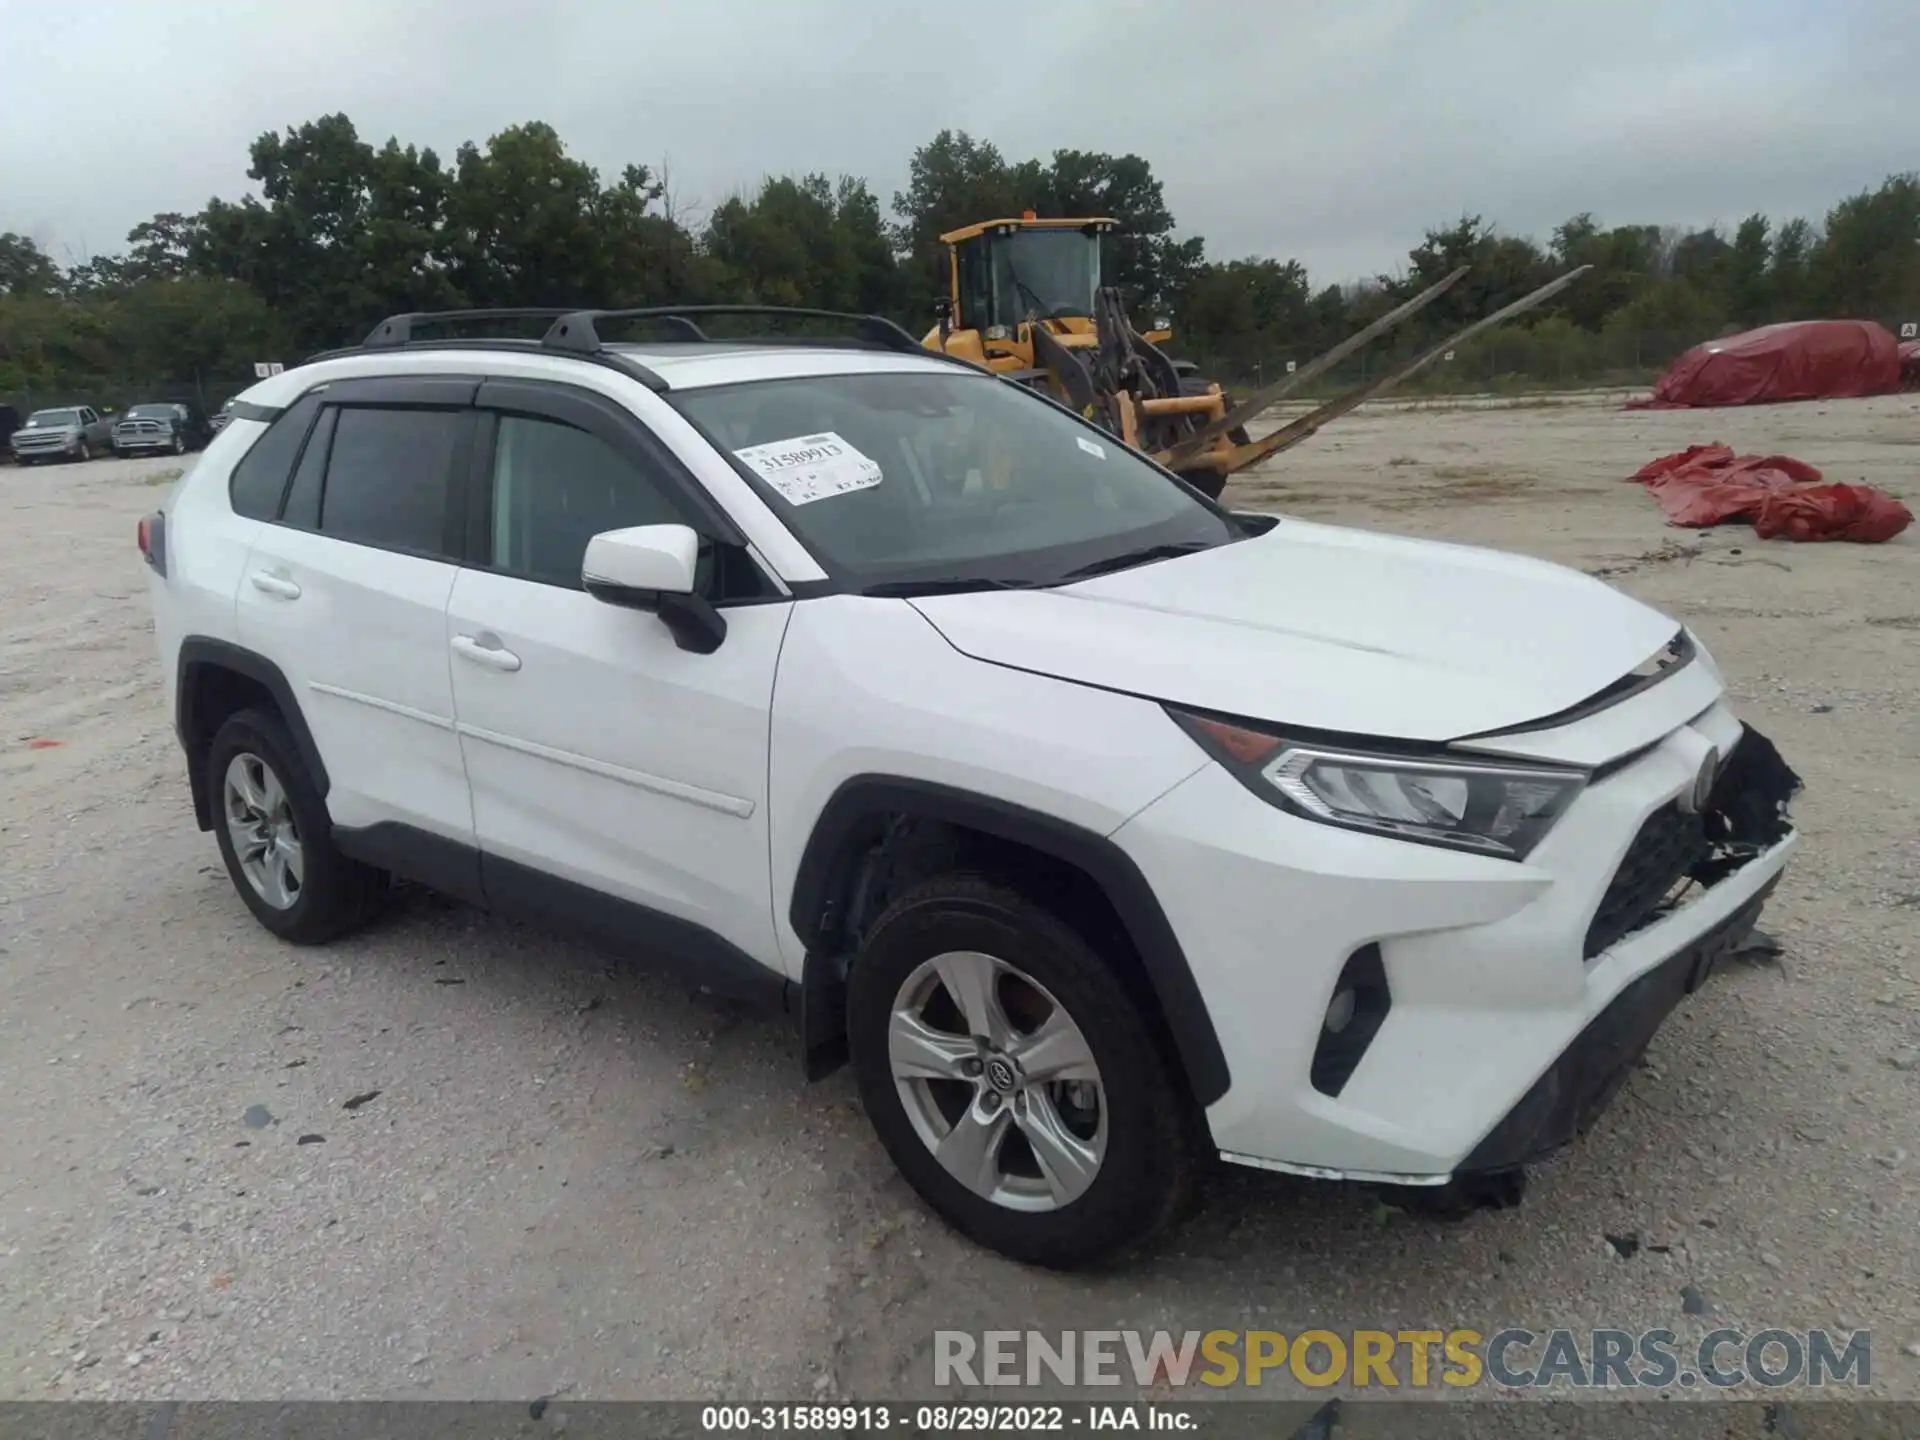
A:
(1868, 265)
(1502, 269)
(345, 235)
(1793, 249)
(806, 242)
(1623, 261)
(1749, 289)
(24, 268)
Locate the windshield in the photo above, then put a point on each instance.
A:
(948, 478)
(152, 412)
(1046, 274)
(51, 418)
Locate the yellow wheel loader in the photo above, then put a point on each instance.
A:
(1024, 298)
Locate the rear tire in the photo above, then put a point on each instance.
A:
(1115, 1154)
(290, 875)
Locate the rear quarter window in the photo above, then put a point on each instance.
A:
(260, 479)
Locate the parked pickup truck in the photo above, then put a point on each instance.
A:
(172, 426)
(72, 432)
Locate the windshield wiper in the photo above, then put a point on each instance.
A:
(1127, 559)
(945, 585)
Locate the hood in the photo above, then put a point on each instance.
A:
(1325, 628)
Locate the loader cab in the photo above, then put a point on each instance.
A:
(1001, 276)
(1017, 272)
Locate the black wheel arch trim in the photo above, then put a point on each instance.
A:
(199, 654)
(825, 868)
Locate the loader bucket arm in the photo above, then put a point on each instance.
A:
(1071, 378)
(1251, 407)
(1306, 425)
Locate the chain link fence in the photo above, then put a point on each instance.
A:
(1513, 361)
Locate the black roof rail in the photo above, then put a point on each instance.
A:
(578, 333)
(574, 330)
(611, 359)
(397, 330)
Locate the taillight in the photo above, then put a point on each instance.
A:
(153, 540)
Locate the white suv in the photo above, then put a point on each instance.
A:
(1106, 830)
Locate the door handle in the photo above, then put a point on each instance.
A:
(271, 584)
(486, 649)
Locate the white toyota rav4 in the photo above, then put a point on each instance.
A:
(1104, 829)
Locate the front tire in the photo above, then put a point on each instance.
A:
(277, 839)
(1013, 1079)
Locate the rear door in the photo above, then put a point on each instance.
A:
(346, 590)
(601, 754)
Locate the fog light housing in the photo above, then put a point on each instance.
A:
(1354, 1014)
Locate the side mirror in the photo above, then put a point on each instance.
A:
(655, 567)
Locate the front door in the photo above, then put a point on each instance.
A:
(600, 754)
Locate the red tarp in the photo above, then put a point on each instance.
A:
(1783, 497)
(1800, 360)
(1910, 364)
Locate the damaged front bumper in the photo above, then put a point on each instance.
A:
(1745, 839)
(1510, 998)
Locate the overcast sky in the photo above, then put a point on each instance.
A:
(1333, 132)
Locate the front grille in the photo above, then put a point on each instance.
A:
(1669, 845)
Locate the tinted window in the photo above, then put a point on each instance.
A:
(303, 496)
(261, 476)
(555, 487)
(387, 475)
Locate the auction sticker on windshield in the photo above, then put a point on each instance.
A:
(811, 467)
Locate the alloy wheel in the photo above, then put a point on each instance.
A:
(998, 1081)
(260, 822)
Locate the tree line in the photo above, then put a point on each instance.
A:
(343, 233)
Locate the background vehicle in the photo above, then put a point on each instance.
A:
(9, 422)
(176, 426)
(1025, 299)
(70, 432)
(218, 420)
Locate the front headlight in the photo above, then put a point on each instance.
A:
(1482, 806)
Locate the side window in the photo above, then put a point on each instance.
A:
(303, 496)
(261, 476)
(976, 292)
(387, 476)
(554, 488)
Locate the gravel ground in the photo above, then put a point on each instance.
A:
(454, 1157)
